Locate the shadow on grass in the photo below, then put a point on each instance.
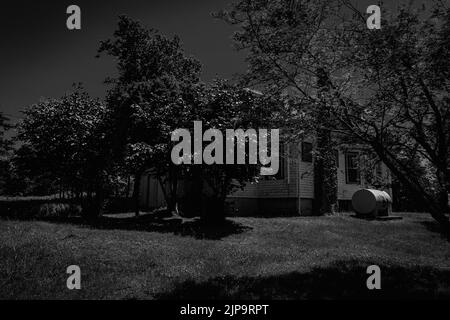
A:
(193, 227)
(159, 222)
(435, 227)
(340, 280)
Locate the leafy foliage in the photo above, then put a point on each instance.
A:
(5, 144)
(227, 106)
(63, 140)
(404, 113)
(150, 97)
(386, 89)
(158, 91)
(292, 54)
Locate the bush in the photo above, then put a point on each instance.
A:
(30, 208)
(58, 210)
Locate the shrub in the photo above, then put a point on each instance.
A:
(58, 210)
(30, 208)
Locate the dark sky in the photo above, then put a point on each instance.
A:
(40, 57)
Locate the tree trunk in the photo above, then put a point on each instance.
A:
(325, 176)
(128, 187)
(136, 192)
(191, 205)
(437, 212)
(172, 204)
(213, 210)
(92, 206)
(443, 199)
(213, 204)
(325, 171)
(172, 194)
(434, 204)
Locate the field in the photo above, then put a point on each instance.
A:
(251, 258)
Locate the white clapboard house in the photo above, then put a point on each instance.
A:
(291, 191)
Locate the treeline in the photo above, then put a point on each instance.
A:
(322, 73)
(88, 149)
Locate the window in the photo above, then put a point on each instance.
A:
(307, 152)
(352, 168)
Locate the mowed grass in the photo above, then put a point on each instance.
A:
(268, 258)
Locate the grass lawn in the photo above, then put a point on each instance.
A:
(267, 258)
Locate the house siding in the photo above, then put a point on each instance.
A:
(272, 188)
(292, 195)
(299, 185)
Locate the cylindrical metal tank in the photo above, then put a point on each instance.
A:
(371, 202)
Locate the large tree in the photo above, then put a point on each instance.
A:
(150, 97)
(387, 89)
(5, 146)
(227, 106)
(290, 51)
(404, 114)
(64, 140)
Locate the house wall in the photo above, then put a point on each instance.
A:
(299, 183)
(292, 195)
(270, 196)
(269, 187)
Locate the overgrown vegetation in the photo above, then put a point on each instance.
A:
(387, 89)
(321, 72)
